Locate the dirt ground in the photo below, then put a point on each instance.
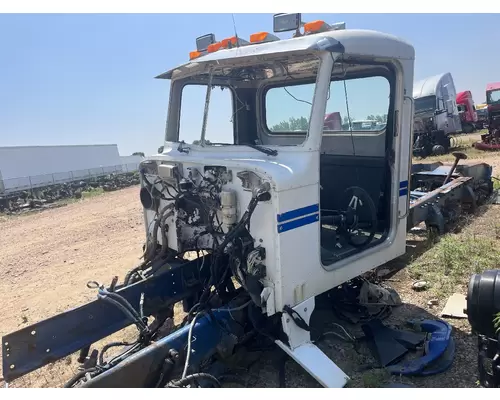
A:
(47, 258)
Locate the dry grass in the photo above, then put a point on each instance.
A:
(448, 265)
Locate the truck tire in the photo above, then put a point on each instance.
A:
(438, 150)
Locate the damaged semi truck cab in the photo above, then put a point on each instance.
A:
(272, 202)
(251, 175)
(467, 111)
(493, 104)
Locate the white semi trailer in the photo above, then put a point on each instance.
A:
(25, 167)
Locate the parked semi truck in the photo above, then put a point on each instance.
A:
(491, 140)
(467, 112)
(493, 101)
(436, 115)
(435, 99)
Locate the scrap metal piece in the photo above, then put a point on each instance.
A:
(455, 306)
(384, 346)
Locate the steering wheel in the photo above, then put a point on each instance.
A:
(357, 223)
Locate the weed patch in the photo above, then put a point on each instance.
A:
(448, 265)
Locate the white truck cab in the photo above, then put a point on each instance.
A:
(249, 175)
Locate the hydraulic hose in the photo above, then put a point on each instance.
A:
(137, 321)
(79, 375)
(183, 382)
(108, 346)
(120, 299)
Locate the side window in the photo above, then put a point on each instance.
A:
(288, 108)
(359, 104)
(220, 128)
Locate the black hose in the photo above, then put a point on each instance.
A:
(137, 321)
(122, 355)
(183, 382)
(231, 235)
(132, 272)
(151, 245)
(79, 375)
(151, 251)
(121, 300)
(108, 346)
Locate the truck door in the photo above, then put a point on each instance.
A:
(452, 124)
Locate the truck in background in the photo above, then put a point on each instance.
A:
(493, 102)
(435, 99)
(436, 115)
(467, 111)
(333, 122)
(482, 115)
(491, 140)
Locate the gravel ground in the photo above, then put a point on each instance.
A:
(47, 258)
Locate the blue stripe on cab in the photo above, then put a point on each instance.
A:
(297, 223)
(403, 184)
(299, 212)
(403, 192)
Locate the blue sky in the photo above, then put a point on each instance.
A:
(81, 79)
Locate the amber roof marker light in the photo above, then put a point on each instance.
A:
(262, 37)
(281, 23)
(321, 26)
(233, 41)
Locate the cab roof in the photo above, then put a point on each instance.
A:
(428, 86)
(493, 86)
(350, 41)
(462, 96)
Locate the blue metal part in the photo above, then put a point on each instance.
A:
(142, 369)
(416, 168)
(426, 207)
(443, 363)
(435, 347)
(52, 339)
(439, 171)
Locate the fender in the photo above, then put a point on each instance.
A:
(439, 341)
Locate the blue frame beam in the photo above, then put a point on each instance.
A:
(54, 338)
